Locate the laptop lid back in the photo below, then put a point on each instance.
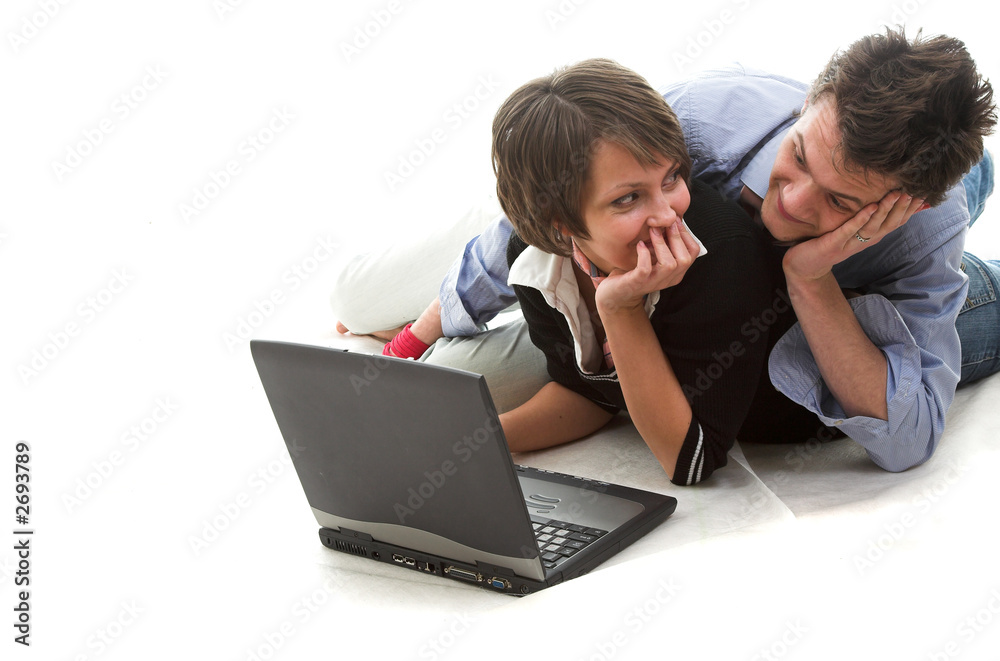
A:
(411, 454)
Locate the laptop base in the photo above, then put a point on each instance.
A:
(493, 578)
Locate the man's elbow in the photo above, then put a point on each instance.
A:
(906, 453)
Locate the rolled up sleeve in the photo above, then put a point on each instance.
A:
(912, 321)
(475, 288)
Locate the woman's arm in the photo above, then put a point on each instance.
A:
(654, 397)
(555, 415)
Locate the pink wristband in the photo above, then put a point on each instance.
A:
(405, 345)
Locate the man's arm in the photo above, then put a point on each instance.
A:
(475, 288)
(852, 366)
(909, 318)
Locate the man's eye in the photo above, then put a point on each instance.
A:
(795, 154)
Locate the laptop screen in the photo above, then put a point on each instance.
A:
(393, 447)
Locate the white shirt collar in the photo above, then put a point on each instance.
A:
(554, 277)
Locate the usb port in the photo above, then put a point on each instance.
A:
(398, 558)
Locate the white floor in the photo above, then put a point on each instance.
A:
(180, 177)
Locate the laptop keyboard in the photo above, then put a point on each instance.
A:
(558, 540)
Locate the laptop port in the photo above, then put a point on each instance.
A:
(463, 573)
(410, 561)
(398, 558)
(500, 583)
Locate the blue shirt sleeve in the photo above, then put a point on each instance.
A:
(475, 288)
(911, 318)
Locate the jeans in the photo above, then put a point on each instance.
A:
(978, 321)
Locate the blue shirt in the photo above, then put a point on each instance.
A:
(911, 282)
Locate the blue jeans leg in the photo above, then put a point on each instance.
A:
(978, 322)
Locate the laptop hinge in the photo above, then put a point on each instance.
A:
(495, 569)
(363, 536)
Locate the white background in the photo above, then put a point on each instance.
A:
(120, 312)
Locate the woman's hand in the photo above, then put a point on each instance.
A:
(673, 252)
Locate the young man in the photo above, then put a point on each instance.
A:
(841, 172)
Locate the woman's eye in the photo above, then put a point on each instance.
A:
(837, 204)
(625, 200)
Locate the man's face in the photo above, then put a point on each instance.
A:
(810, 192)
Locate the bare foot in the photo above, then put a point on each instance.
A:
(385, 335)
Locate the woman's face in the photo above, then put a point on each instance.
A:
(622, 200)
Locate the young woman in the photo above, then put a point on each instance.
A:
(631, 310)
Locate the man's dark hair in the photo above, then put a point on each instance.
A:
(915, 111)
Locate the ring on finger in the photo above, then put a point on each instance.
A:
(857, 235)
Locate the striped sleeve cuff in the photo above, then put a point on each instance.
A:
(690, 468)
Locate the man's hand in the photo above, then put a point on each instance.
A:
(674, 250)
(815, 258)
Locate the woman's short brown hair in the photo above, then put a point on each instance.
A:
(914, 111)
(544, 135)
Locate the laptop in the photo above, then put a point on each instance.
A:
(405, 463)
